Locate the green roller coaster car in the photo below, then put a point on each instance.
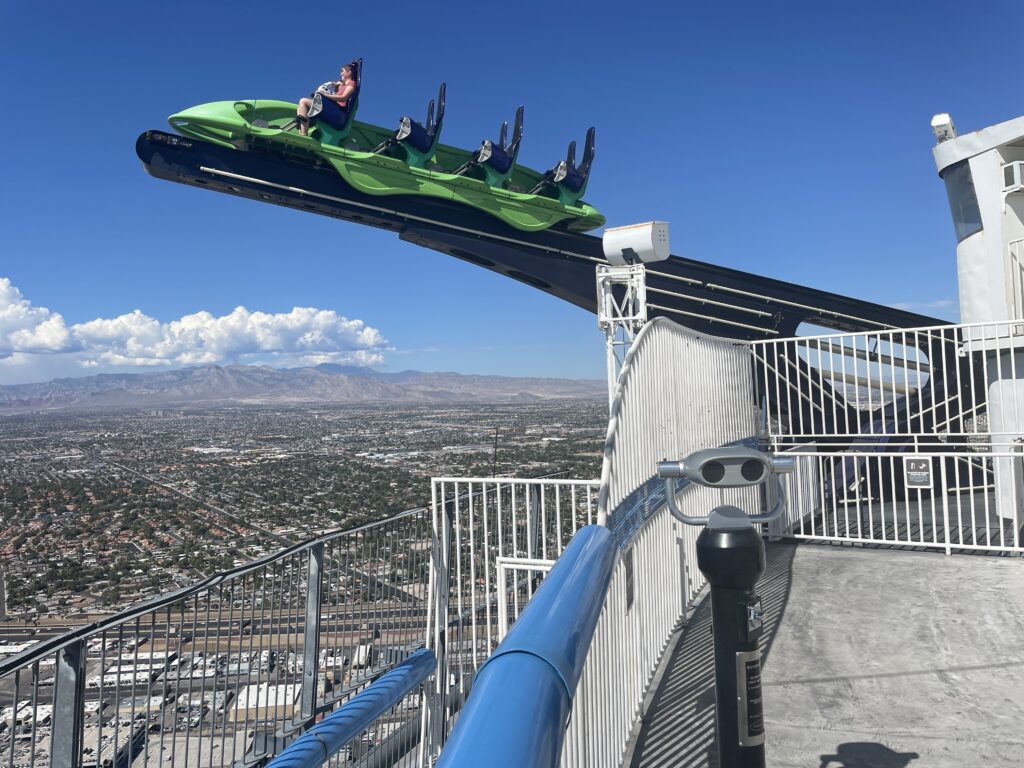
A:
(410, 160)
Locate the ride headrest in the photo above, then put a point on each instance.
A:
(404, 128)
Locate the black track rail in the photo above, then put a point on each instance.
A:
(702, 296)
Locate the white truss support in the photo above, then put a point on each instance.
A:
(621, 313)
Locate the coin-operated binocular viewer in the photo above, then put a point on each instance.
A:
(731, 556)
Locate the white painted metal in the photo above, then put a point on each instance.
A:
(481, 525)
(636, 243)
(620, 317)
(659, 569)
(849, 480)
(873, 369)
(504, 566)
(679, 392)
(964, 515)
(981, 171)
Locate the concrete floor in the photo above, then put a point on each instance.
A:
(873, 658)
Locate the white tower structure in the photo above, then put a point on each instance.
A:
(621, 313)
(984, 176)
(622, 288)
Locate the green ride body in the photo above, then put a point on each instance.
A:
(230, 124)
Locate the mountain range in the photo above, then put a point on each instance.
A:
(326, 383)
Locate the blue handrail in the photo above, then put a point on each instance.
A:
(321, 742)
(517, 712)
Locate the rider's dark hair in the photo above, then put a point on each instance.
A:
(353, 69)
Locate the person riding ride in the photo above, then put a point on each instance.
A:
(335, 98)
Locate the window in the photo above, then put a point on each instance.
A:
(963, 202)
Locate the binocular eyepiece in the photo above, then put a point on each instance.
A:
(732, 467)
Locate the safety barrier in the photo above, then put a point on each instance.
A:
(908, 438)
(864, 497)
(516, 713)
(679, 391)
(226, 671)
(916, 385)
(338, 730)
(230, 670)
(494, 540)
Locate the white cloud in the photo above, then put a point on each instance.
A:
(24, 328)
(30, 336)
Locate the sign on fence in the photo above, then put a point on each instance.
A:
(917, 472)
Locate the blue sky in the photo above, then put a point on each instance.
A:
(787, 139)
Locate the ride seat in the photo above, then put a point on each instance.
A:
(496, 159)
(415, 134)
(567, 181)
(416, 143)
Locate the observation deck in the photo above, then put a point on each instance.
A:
(871, 658)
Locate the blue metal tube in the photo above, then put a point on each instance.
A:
(326, 738)
(517, 711)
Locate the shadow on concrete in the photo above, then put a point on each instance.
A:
(679, 728)
(866, 754)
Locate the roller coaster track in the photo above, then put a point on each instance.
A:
(705, 297)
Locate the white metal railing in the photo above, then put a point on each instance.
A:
(865, 497)
(678, 392)
(652, 585)
(493, 539)
(858, 410)
(918, 383)
(852, 409)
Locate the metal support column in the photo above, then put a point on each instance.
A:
(438, 694)
(311, 640)
(621, 313)
(68, 701)
(533, 522)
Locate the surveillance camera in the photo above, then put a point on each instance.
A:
(942, 126)
(637, 243)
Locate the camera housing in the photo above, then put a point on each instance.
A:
(636, 243)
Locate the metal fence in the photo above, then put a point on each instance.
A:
(495, 538)
(863, 497)
(651, 586)
(921, 385)
(679, 391)
(907, 438)
(228, 670)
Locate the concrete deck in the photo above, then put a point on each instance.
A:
(873, 658)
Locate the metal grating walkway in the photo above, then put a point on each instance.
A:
(873, 659)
